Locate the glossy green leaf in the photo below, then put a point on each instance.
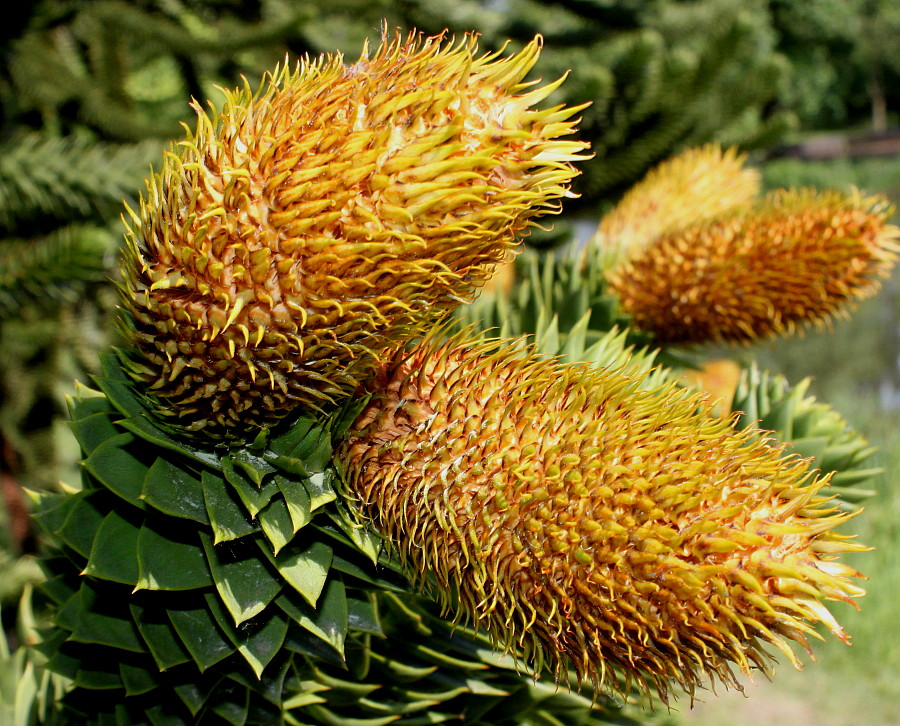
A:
(170, 558)
(298, 441)
(304, 642)
(201, 635)
(159, 715)
(51, 510)
(304, 449)
(297, 499)
(253, 498)
(277, 524)
(364, 539)
(348, 413)
(114, 551)
(143, 427)
(117, 386)
(137, 680)
(93, 430)
(306, 570)
(192, 696)
(159, 635)
(86, 402)
(320, 488)
(372, 575)
(233, 708)
(328, 621)
(362, 615)
(103, 619)
(259, 645)
(254, 467)
(174, 490)
(83, 517)
(272, 687)
(227, 517)
(100, 678)
(114, 464)
(246, 583)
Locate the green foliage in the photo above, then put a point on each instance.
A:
(47, 181)
(814, 430)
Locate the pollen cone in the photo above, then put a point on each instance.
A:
(698, 184)
(795, 258)
(592, 525)
(308, 230)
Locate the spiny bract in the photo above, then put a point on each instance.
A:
(307, 231)
(593, 525)
(793, 258)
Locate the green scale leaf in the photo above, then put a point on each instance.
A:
(329, 621)
(160, 636)
(113, 555)
(171, 558)
(200, 634)
(175, 490)
(226, 515)
(115, 465)
(246, 583)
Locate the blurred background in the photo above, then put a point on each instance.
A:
(91, 93)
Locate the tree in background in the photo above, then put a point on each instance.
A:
(843, 57)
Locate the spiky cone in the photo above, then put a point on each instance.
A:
(299, 236)
(794, 259)
(700, 183)
(591, 525)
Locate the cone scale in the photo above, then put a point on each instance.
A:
(591, 526)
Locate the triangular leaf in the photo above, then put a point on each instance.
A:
(298, 501)
(260, 645)
(328, 621)
(114, 552)
(84, 515)
(276, 524)
(245, 583)
(142, 426)
(201, 635)
(93, 430)
(114, 465)
(252, 497)
(161, 638)
(320, 488)
(305, 570)
(170, 560)
(228, 519)
(174, 490)
(100, 621)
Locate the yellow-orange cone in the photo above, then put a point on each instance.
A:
(308, 230)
